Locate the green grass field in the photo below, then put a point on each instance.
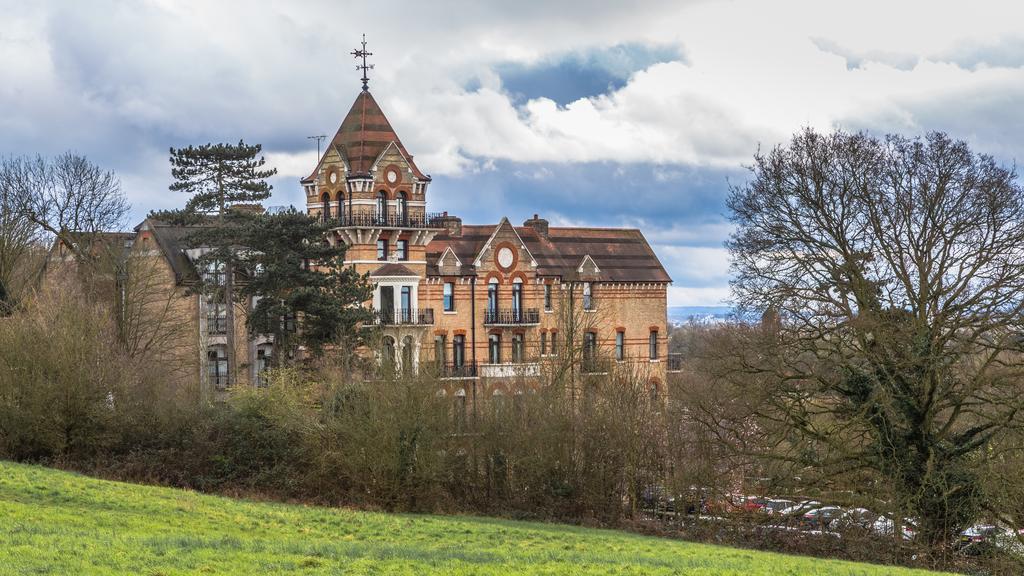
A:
(54, 522)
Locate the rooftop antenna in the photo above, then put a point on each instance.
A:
(364, 66)
(318, 140)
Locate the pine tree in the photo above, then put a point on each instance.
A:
(221, 177)
(305, 295)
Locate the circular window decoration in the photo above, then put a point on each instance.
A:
(333, 175)
(505, 257)
(392, 175)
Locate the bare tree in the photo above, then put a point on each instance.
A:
(152, 320)
(892, 272)
(19, 238)
(65, 195)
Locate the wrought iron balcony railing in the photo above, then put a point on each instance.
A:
(216, 325)
(404, 317)
(511, 317)
(362, 219)
(452, 370)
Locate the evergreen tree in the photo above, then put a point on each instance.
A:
(305, 296)
(221, 177)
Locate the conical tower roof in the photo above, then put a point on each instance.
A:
(364, 134)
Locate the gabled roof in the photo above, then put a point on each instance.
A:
(364, 135)
(393, 269)
(504, 223)
(448, 250)
(172, 240)
(620, 254)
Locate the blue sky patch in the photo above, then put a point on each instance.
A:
(570, 76)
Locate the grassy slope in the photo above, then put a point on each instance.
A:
(61, 523)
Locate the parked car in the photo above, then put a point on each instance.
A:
(884, 526)
(861, 518)
(821, 518)
(800, 508)
(775, 506)
(984, 538)
(754, 504)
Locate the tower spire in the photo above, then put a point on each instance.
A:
(362, 53)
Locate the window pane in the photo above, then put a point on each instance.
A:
(459, 350)
(494, 349)
(449, 297)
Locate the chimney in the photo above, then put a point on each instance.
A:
(539, 225)
(453, 224)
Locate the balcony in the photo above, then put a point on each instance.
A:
(373, 220)
(404, 317)
(216, 325)
(526, 317)
(456, 370)
(511, 370)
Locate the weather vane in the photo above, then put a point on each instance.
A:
(364, 66)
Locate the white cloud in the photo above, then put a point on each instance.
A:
(698, 296)
(123, 82)
(294, 164)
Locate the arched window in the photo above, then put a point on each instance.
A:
(459, 351)
(325, 213)
(517, 299)
(590, 352)
(517, 348)
(341, 208)
(494, 348)
(403, 208)
(498, 402)
(382, 208)
(407, 355)
(492, 297)
(388, 353)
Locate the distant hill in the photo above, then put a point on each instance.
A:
(685, 314)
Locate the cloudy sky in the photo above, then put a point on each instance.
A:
(587, 112)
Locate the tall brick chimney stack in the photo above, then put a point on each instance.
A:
(539, 224)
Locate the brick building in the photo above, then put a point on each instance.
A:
(483, 305)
